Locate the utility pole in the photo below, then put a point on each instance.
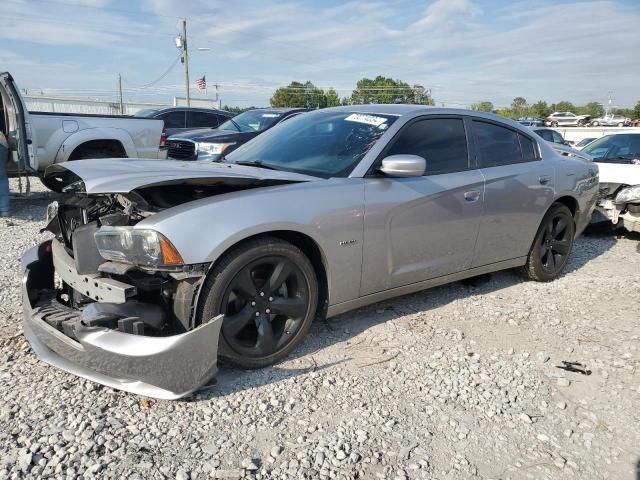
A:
(185, 60)
(120, 90)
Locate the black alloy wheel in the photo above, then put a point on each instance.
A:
(268, 292)
(264, 305)
(552, 246)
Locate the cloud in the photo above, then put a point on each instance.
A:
(472, 51)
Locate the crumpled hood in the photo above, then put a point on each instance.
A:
(619, 173)
(122, 175)
(206, 135)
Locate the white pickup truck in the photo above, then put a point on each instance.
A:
(39, 139)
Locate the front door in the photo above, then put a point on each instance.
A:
(17, 128)
(419, 228)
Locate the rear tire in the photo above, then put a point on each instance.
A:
(595, 124)
(552, 245)
(268, 291)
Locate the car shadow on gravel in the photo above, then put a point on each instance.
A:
(372, 349)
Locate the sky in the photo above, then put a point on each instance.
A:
(465, 51)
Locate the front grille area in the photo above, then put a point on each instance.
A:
(181, 149)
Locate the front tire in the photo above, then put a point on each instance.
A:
(268, 291)
(552, 245)
(554, 124)
(595, 124)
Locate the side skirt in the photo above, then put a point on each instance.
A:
(416, 287)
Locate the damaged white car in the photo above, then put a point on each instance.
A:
(618, 158)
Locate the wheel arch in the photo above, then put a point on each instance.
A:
(308, 246)
(95, 137)
(570, 202)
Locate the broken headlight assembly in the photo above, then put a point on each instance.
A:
(142, 247)
(629, 195)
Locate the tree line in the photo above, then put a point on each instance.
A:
(521, 108)
(377, 90)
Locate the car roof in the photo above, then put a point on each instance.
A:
(279, 109)
(191, 109)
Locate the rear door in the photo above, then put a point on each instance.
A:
(519, 188)
(18, 128)
(418, 228)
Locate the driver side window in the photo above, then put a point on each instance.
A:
(441, 141)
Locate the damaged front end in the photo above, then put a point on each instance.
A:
(115, 304)
(620, 205)
(112, 301)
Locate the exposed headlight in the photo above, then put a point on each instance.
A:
(136, 246)
(629, 195)
(213, 148)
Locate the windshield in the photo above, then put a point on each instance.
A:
(147, 112)
(621, 148)
(323, 144)
(251, 121)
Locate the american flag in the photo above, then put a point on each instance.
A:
(201, 83)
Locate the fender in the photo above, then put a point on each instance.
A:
(100, 133)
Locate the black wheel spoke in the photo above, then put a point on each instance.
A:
(291, 307)
(234, 324)
(560, 247)
(551, 261)
(281, 272)
(244, 284)
(560, 228)
(266, 343)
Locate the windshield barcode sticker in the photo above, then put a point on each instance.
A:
(368, 119)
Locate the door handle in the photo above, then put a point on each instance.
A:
(544, 179)
(472, 195)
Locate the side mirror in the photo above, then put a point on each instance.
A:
(403, 166)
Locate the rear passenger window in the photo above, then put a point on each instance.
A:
(202, 119)
(441, 141)
(529, 151)
(496, 145)
(173, 119)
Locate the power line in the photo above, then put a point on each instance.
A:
(164, 74)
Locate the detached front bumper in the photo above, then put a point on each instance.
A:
(160, 367)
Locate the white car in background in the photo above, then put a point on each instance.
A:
(618, 158)
(566, 119)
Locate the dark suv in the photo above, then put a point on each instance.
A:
(180, 119)
(211, 144)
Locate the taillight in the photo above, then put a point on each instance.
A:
(163, 137)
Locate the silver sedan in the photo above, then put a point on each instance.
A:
(162, 267)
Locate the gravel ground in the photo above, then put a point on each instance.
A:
(455, 382)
